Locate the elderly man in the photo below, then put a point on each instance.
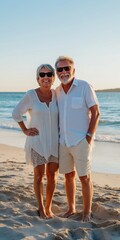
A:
(78, 118)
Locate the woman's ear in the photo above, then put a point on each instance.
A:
(53, 79)
(38, 81)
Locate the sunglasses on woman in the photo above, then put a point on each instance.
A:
(43, 74)
(66, 68)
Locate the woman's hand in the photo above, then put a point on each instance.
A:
(31, 132)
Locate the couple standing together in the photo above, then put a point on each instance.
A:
(71, 112)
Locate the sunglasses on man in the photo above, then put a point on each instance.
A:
(66, 68)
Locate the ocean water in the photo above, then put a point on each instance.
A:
(106, 157)
(108, 128)
(109, 125)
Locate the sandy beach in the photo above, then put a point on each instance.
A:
(18, 216)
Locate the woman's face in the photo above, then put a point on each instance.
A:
(46, 78)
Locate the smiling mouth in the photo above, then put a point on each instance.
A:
(46, 81)
(64, 76)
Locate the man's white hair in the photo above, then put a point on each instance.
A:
(64, 58)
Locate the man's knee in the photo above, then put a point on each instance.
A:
(70, 176)
(85, 179)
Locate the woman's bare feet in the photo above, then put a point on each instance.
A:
(50, 214)
(42, 214)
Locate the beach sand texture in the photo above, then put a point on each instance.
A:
(18, 216)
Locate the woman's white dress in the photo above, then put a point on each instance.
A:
(42, 117)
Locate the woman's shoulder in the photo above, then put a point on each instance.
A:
(29, 95)
(30, 92)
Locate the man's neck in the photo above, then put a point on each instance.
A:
(67, 86)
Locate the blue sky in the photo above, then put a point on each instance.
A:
(36, 31)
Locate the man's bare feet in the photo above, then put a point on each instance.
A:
(86, 217)
(42, 214)
(68, 214)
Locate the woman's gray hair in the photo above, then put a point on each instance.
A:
(64, 58)
(48, 66)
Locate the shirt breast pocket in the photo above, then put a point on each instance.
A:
(77, 102)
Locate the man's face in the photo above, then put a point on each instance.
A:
(65, 72)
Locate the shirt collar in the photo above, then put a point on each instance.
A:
(75, 83)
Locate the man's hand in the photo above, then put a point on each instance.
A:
(89, 139)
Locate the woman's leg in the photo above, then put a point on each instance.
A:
(51, 172)
(38, 188)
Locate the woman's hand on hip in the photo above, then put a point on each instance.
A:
(31, 132)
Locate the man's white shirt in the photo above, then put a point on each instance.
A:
(74, 113)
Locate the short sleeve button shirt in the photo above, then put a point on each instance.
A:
(74, 114)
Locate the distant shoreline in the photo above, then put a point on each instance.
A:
(97, 90)
(109, 90)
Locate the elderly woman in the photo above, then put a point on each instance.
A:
(41, 146)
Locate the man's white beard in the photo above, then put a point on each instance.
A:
(65, 79)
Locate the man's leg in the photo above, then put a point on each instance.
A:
(70, 192)
(82, 157)
(66, 166)
(87, 192)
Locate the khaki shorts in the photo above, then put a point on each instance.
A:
(78, 157)
(37, 159)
